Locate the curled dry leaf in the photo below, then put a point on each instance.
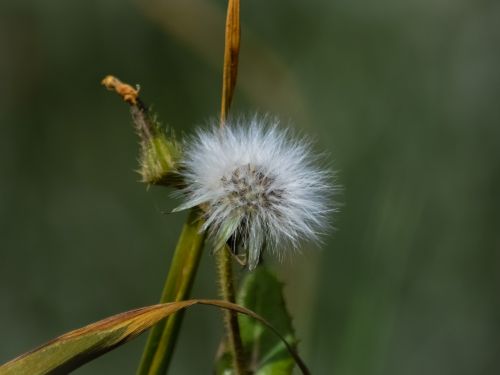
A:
(127, 92)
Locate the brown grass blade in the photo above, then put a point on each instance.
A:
(268, 81)
(73, 349)
(231, 54)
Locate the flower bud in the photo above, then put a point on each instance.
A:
(159, 150)
(159, 153)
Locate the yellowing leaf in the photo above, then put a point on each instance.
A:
(78, 347)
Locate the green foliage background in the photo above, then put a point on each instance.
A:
(404, 96)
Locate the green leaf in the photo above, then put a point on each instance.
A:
(72, 350)
(266, 354)
(159, 349)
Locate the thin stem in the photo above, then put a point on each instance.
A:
(227, 291)
(224, 264)
(160, 345)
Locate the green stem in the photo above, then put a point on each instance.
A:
(161, 341)
(225, 271)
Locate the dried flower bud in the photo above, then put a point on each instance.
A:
(159, 150)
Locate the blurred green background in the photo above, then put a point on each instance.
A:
(404, 97)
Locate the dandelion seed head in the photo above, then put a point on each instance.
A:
(259, 186)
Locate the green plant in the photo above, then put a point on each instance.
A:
(267, 210)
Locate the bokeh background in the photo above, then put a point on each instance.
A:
(403, 96)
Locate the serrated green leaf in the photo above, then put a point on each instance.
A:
(262, 292)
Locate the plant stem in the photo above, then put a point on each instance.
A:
(227, 291)
(161, 340)
(224, 264)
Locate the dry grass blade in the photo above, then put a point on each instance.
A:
(72, 350)
(231, 54)
(269, 82)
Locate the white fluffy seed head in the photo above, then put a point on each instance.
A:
(259, 187)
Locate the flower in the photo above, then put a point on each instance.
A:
(258, 187)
